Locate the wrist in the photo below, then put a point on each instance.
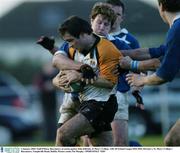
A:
(53, 51)
(134, 65)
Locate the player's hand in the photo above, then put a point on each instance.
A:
(60, 83)
(71, 76)
(46, 42)
(88, 74)
(135, 79)
(139, 99)
(115, 71)
(125, 62)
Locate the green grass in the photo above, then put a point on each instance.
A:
(147, 141)
(152, 141)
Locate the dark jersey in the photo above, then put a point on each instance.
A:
(171, 61)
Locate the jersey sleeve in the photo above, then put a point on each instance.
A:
(63, 49)
(171, 62)
(157, 52)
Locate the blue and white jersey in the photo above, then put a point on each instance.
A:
(131, 41)
(171, 62)
(64, 49)
(127, 37)
(121, 45)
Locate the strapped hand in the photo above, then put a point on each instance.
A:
(88, 75)
(139, 100)
(46, 42)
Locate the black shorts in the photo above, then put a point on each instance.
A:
(100, 114)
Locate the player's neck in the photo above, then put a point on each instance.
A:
(92, 41)
(171, 17)
(117, 29)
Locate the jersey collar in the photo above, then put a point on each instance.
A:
(176, 17)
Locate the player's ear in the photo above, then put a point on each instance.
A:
(162, 9)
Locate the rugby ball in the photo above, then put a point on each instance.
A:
(76, 87)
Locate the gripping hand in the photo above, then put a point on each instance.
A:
(46, 42)
(88, 75)
(139, 100)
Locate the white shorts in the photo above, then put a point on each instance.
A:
(123, 104)
(68, 108)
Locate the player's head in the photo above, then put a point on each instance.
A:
(75, 31)
(102, 18)
(116, 3)
(119, 9)
(172, 6)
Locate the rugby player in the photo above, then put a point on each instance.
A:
(102, 20)
(169, 11)
(97, 99)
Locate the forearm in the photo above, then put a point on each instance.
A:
(137, 54)
(101, 82)
(149, 65)
(152, 80)
(62, 62)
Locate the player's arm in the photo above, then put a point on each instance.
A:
(65, 78)
(133, 65)
(62, 62)
(145, 53)
(151, 64)
(48, 43)
(76, 76)
(60, 59)
(141, 80)
(137, 54)
(101, 82)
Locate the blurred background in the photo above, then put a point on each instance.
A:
(28, 102)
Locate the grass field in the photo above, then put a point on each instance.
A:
(152, 141)
(149, 141)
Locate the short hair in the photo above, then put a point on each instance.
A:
(170, 5)
(105, 10)
(117, 3)
(75, 26)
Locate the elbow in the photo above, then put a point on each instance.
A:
(55, 61)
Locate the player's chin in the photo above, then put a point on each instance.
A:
(102, 33)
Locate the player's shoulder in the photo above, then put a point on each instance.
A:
(64, 46)
(126, 32)
(175, 28)
(107, 47)
(104, 41)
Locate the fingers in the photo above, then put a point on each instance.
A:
(130, 78)
(39, 41)
(141, 106)
(89, 81)
(115, 71)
